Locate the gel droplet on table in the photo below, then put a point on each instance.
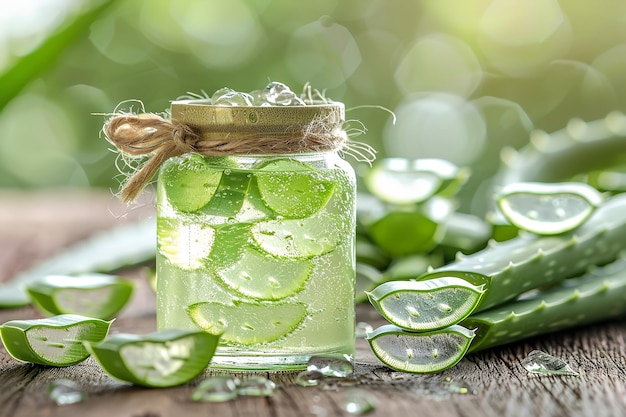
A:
(309, 378)
(539, 362)
(65, 391)
(459, 386)
(256, 385)
(216, 389)
(362, 329)
(340, 366)
(358, 401)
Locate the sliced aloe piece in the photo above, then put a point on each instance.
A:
(161, 359)
(184, 244)
(426, 305)
(258, 275)
(548, 208)
(230, 194)
(189, 182)
(405, 181)
(94, 295)
(53, 341)
(421, 353)
(299, 238)
(247, 323)
(293, 188)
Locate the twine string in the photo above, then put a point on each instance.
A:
(138, 135)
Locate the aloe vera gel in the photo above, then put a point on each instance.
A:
(259, 247)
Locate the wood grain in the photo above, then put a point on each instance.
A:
(33, 226)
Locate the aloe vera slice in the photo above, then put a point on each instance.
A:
(230, 194)
(247, 323)
(595, 296)
(404, 181)
(299, 238)
(421, 353)
(106, 251)
(426, 305)
(53, 341)
(293, 188)
(184, 244)
(94, 295)
(161, 359)
(257, 275)
(548, 209)
(189, 182)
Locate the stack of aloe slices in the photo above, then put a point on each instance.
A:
(432, 329)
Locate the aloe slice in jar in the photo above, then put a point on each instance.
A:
(190, 184)
(292, 188)
(95, 295)
(227, 200)
(161, 359)
(299, 238)
(185, 244)
(53, 341)
(257, 275)
(248, 323)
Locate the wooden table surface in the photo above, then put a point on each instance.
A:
(36, 225)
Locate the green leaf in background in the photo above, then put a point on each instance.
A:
(30, 66)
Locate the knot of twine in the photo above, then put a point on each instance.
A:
(138, 135)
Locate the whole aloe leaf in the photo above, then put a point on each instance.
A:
(511, 268)
(596, 296)
(107, 251)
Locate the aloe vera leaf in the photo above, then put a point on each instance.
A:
(30, 66)
(369, 253)
(529, 261)
(106, 251)
(579, 147)
(422, 353)
(596, 296)
(411, 266)
(425, 305)
(465, 232)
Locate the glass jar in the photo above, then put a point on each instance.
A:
(258, 248)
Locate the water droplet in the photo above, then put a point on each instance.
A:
(256, 385)
(539, 362)
(362, 329)
(65, 391)
(358, 401)
(340, 366)
(309, 378)
(216, 389)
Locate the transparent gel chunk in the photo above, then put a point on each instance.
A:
(153, 361)
(277, 93)
(309, 378)
(216, 389)
(340, 366)
(362, 329)
(358, 401)
(256, 385)
(539, 362)
(66, 391)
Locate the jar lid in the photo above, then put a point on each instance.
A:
(217, 122)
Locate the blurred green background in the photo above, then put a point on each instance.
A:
(464, 78)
